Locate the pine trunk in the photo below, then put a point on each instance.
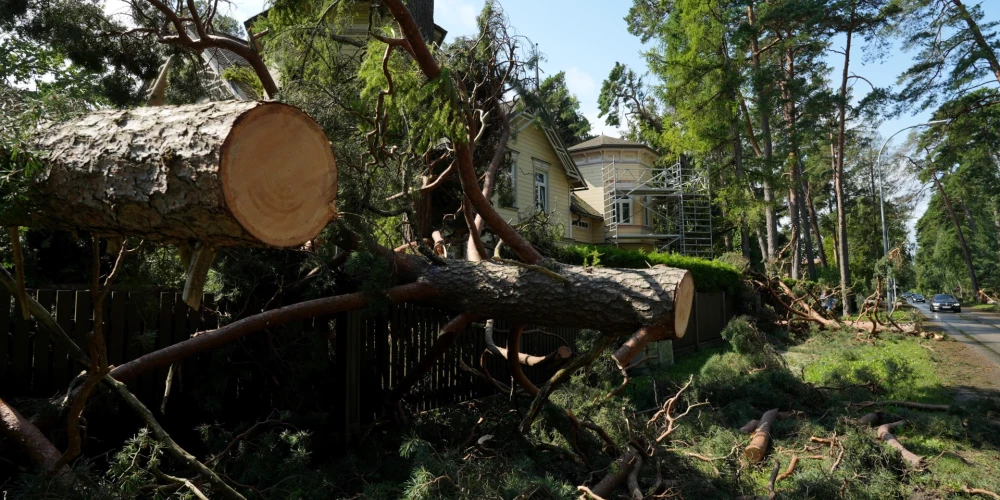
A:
(770, 217)
(223, 173)
(654, 304)
(966, 254)
(814, 223)
(842, 253)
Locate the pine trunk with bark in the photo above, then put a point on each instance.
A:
(770, 217)
(788, 109)
(651, 304)
(843, 259)
(224, 173)
(814, 223)
(966, 254)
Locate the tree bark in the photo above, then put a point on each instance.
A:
(620, 471)
(814, 223)
(223, 173)
(807, 229)
(788, 108)
(770, 217)
(757, 449)
(966, 255)
(628, 299)
(741, 175)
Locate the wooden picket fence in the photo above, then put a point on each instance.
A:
(371, 353)
(374, 353)
(135, 322)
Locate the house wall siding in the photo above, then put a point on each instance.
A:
(531, 144)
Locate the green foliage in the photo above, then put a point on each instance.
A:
(560, 109)
(709, 275)
(432, 107)
(749, 342)
(935, 28)
(246, 76)
(95, 65)
(737, 260)
(375, 274)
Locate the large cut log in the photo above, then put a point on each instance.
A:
(618, 301)
(223, 173)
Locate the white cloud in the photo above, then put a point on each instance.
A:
(458, 17)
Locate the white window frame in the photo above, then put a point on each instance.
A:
(582, 224)
(541, 180)
(620, 207)
(646, 212)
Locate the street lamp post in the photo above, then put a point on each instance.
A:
(881, 200)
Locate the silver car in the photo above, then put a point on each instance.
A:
(945, 302)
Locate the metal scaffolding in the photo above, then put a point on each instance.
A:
(675, 203)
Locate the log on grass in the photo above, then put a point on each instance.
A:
(223, 173)
(619, 472)
(757, 449)
(885, 434)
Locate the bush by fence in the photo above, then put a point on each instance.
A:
(709, 275)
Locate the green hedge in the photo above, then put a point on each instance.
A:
(709, 275)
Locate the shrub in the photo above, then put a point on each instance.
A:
(709, 275)
(747, 341)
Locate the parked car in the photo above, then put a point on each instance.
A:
(945, 301)
(917, 298)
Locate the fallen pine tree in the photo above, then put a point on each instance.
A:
(253, 174)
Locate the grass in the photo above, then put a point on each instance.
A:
(904, 314)
(984, 307)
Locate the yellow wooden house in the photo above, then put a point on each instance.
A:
(541, 177)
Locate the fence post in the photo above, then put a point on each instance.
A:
(352, 373)
(5, 338)
(697, 339)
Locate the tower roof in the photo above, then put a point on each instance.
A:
(604, 141)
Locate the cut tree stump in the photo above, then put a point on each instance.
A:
(223, 174)
(757, 449)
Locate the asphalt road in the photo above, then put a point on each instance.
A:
(978, 330)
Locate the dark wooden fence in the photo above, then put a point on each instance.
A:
(371, 353)
(135, 323)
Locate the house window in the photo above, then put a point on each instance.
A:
(507, 182)
(581, 224)
(542, 191)
(646, 216)
(623, 211)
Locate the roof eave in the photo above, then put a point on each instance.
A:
(612, 146)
